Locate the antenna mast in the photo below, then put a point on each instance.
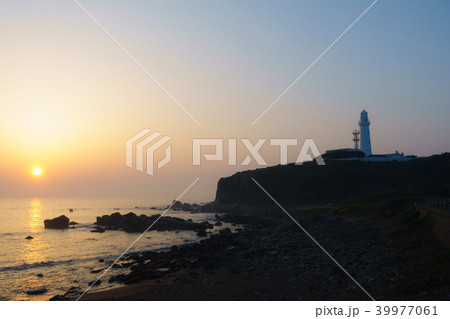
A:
(356, 139)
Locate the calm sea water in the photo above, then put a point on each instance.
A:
(66, 258)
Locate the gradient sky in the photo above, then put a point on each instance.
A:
(70, 97)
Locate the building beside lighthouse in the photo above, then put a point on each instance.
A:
(364, 124)
(362, 150)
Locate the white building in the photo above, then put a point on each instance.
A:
(355, 154)
(364, 124)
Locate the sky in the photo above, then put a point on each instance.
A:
(70, 96)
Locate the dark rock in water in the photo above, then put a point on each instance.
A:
(29, 237)
(112, 279)
(98, 229)
(195, 208)
(57, 298)
(207, 224)
(208, 208)
(176, 205)
(186, 207)
(121, 277)
(60, 222)
(131, 223)
(72, 293)
(40, 275)
(225, 231)
(38, 291)
(95, 283)
(96, 271)
(201, 233)
(73, 223)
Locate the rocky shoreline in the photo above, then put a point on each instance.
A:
(270, 258)
(131, 223)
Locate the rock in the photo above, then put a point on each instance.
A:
(38, 291)
(186, 207)
(95, 283)
(202, 233)
(101, 260)
(72, 293)
(40, 275)
(131, 223)
(95, 271)
(29, 237)
(57, 298)
(73, 223)
(208, 208)
(207, 224)
(60, 222)
(121, 278)
(70, 210)
(98, 229)
(112, 279)
(225, 231)
(218, 223)
(176, 205)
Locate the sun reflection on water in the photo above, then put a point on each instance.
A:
(34, 250)
(35, 218)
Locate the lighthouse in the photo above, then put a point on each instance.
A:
(364, 124)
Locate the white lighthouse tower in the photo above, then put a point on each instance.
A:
(364, 124)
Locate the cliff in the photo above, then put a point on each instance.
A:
(337, 181)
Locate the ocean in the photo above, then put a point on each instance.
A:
(57, 260)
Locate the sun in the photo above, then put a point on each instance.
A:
(37, 171)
